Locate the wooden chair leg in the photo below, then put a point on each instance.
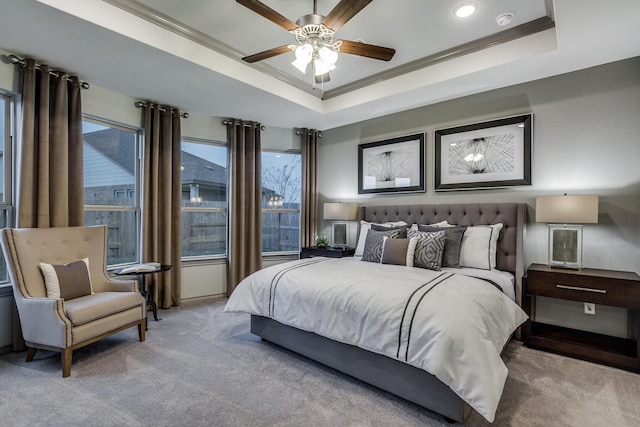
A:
(31, 352)
(142, 326)
(65, 357)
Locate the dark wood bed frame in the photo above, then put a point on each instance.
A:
(398, 378)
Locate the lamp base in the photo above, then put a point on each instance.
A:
(565, 246)
(339, 234)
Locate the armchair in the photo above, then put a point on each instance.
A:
(60, 324)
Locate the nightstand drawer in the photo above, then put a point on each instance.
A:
(578, 286)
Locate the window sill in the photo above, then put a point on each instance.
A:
(5, 290)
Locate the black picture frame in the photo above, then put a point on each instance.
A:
(495, 153)
(392, 166)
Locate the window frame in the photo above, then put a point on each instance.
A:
(209, 209)
(137, 208)
(265, 211)
(7, 209)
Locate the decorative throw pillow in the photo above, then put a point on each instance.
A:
(479, 245)
(415, 227)
(365, 227)
(67, 281)
(401, 228)
(429, 249)
(452, 243)
(398, 251)
(373, 245)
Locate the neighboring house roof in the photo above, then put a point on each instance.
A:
(115, 144)
(197, 170)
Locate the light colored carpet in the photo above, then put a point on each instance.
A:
(202, 367)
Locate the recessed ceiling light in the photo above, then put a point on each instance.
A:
(465, 9)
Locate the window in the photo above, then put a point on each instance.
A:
(111, 182)
(6, 132)
(204, 198)
(281, 192)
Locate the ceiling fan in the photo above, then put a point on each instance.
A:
(314, 35)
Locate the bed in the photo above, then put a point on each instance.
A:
(401, 351)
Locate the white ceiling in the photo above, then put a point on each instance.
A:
(187, 53)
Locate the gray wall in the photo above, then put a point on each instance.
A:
(586, 140)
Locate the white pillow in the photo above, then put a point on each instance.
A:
(479, 245)
(364, 229)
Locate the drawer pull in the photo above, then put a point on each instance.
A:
(577, 288)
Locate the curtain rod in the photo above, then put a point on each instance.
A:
(162, 108)
(15, 60)
(300, 131)
(229, 122)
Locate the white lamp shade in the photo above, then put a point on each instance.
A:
(303, 57)
(341, 211)
(329, 56)
(567, 209)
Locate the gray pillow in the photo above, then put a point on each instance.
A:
(67, 281)
(373, 245)
(452, 243)
(429, 249)
(401, 228)
(395, 251)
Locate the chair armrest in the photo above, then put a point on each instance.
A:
(44, 321)
(120, 286)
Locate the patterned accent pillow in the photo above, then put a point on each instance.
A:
(364, 229)
(374, 243)
(429, 249)
(452, 243)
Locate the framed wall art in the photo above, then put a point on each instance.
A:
(496, 153)
(392, 166)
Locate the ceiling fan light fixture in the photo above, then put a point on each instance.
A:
(314, 35)
(465, 10)
(328, 56)
(303, 53)
(321, 67)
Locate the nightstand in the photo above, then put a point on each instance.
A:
(329, 252)
(601, 287)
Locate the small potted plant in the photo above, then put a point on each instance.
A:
(322, 241)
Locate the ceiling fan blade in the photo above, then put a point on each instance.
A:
(343, 12)
(265, 11)
(267, 54)
(368, 50)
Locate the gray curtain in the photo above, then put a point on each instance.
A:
(51, 186)
(309, 206)
(245, 219)
(162, 225)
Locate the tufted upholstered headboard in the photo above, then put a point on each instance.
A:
(509, 255)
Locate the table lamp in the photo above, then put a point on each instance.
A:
(564, 215)
(339, 214)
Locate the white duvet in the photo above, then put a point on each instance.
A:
(452, 325)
